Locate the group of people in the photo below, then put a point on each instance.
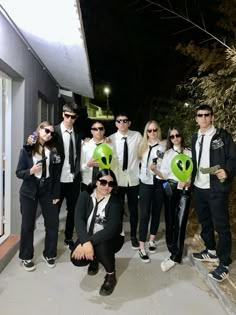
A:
(60, 165)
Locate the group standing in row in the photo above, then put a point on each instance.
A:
(141, 171)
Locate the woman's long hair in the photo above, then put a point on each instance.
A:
(144, 143)
(169, 144)
(100, 174)
(49, 144)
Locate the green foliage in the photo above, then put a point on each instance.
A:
(215, 80)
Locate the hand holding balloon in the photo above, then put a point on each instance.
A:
(92, 163)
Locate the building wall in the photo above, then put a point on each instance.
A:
(29, 79)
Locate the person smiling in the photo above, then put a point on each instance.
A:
(98, 223)
(39, 166)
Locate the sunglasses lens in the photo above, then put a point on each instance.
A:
(151, 130)
(47, 131)
(70, 116)
(122, 120)
(104, 182)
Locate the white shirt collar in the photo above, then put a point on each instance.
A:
(63, 128)
(210, 132)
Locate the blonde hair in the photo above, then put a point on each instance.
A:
(144, 143)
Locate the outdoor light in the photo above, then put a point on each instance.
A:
(107, 92)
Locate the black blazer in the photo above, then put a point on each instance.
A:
(30, 183)
(114, 216)
(60, 149)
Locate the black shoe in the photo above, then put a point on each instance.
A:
(93, 268)
(28, 265)
(205, 256)
(108, 285)
(220, 273)
(69, 244)
(50, 261)
(134, 243)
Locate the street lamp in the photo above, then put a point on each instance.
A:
(107, 92)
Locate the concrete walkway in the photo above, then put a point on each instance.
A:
(142, 289)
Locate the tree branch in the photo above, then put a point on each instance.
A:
(185, 18)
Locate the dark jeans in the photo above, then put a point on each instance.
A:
(132, 196)
(213, 214)
(104, 253)
(151, 202)
(69, 191)
(51, 222)
(176, 217)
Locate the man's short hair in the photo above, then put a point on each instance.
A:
(71, 108)
(205, 107)
(122, 114)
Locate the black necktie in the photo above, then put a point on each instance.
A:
(92, 223)
(149, 152)
(95, 169)
(200, 151)
(71, 154)
(44, 168)
(125, 154)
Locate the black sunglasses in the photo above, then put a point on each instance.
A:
(152, 130)
(119, 121)
(205, 115)
(104, 182)
(175, 136)
(70, 116)
(49, 131)
(97, 128)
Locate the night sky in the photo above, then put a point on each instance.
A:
(132, 47)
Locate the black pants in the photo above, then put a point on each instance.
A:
(176, 217)
(213, 215)
(132, 196)
(69, 191)
(51, 222)
(104, 253)
(151, 202)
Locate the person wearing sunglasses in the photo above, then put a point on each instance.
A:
(151, 194)
(98, 222)
(89, 167)
(213, 148)
(126, 143)
(177, 199)
(39, 167)
(68, 143)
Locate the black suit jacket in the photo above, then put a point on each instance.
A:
(30, 183)
(60, 148)
(114, 217)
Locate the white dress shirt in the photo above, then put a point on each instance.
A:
(166, 162)
(66, 175)
(146, 174)
(87, 151)
(37, 157)
(129, 177)
(203, 180)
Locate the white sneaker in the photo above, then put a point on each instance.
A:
(167, 264)
(152, 247)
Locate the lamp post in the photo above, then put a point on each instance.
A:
(107, 92)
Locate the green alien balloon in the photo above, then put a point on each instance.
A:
(103, 155)
(182, 167)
